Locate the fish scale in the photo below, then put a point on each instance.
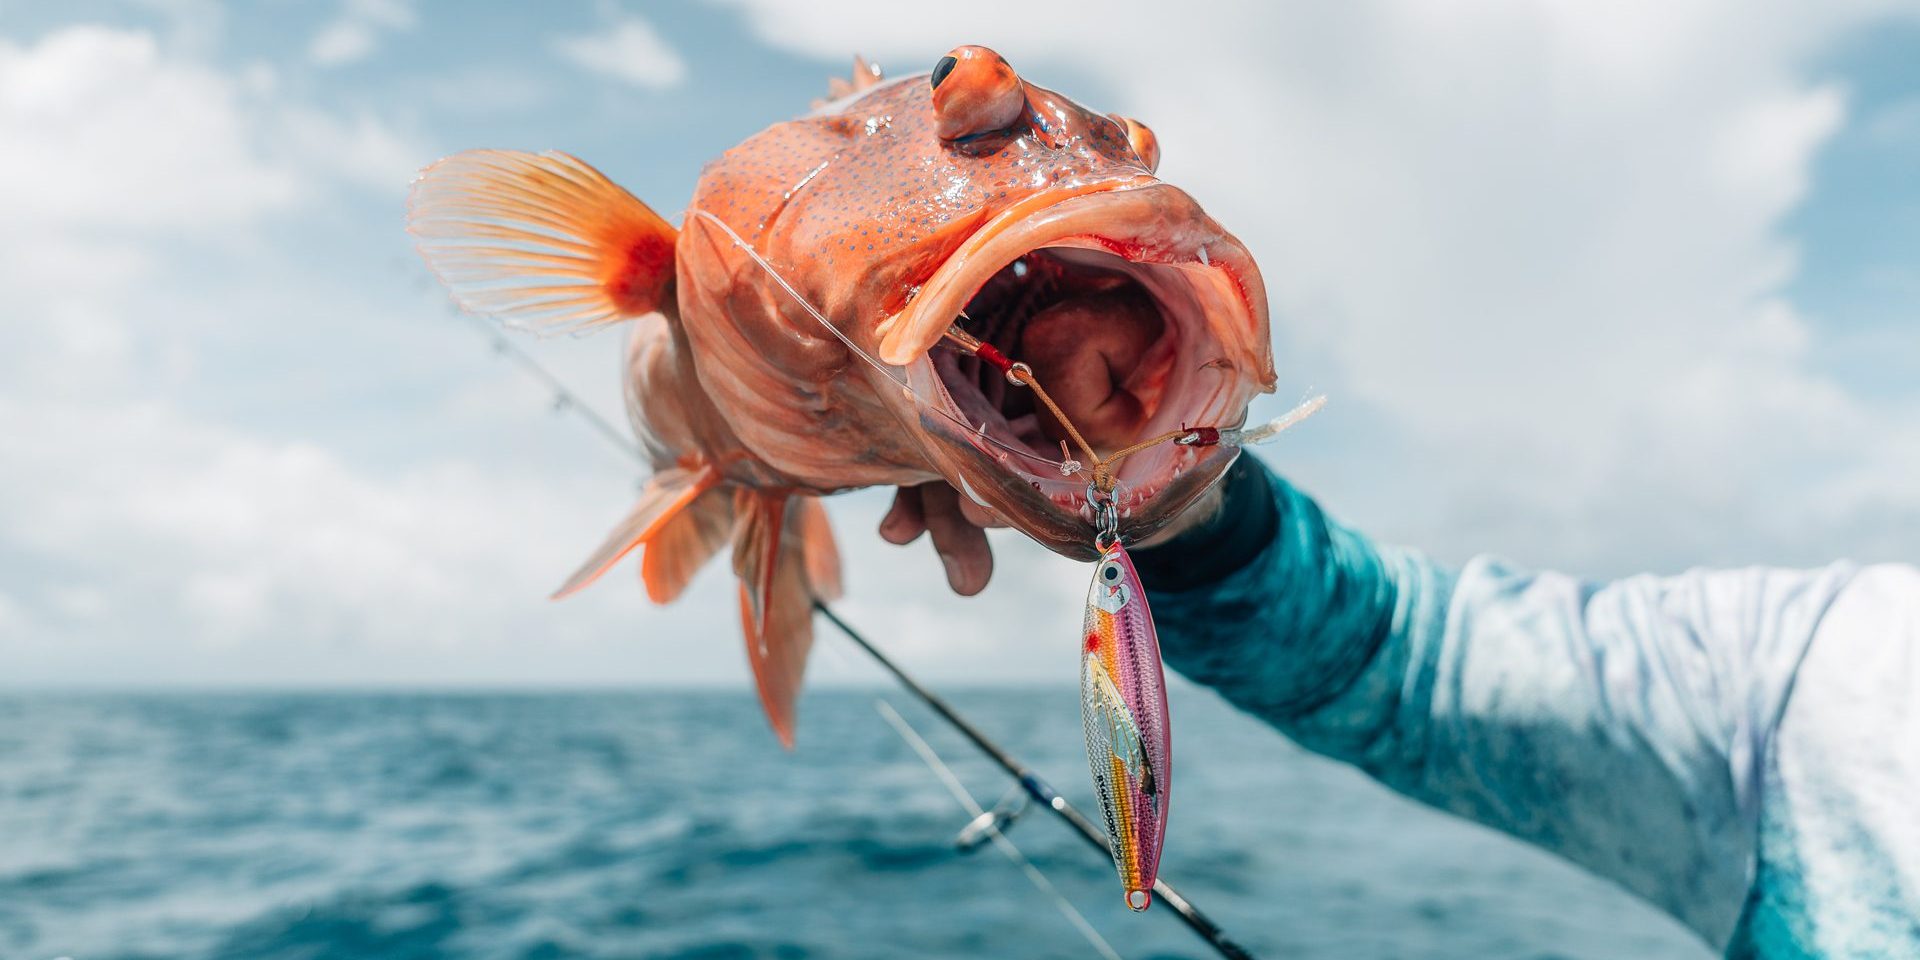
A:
(782, 338)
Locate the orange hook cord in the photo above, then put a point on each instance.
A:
(1022, 375)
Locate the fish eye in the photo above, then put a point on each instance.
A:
(1109, 572)
(1145, 144)
(975, 92)
(942, 69)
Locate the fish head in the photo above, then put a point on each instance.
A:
(969, 196)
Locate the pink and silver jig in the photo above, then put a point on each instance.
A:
(1123, 705)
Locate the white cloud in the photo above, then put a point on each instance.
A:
(103, 133)
(114, 152)
(13, 617)
(362, 149)
(630, 50)
(1533, 251)
(342, 41)
(132, 523)
(98, 128)
(356, 32)
(259, 538)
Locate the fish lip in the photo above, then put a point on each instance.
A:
(1164, 225)
(1142, 221)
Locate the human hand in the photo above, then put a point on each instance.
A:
(957, 523)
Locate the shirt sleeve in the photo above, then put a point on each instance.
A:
(1616, 724)
(1839, 835)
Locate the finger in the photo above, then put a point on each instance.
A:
(961, 545)
(904, 522)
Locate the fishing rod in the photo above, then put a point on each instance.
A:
(1037, 788)
(988, 824)
(1030, 781)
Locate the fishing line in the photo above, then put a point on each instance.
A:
(973, 808)
(1020, 374)
(563, 397)
(1031, 782)
(884, 369)
(1038, 788)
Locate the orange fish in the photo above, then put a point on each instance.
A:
(788, 338)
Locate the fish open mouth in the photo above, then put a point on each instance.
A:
(1129, 298)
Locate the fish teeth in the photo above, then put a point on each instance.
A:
(967, 488)
(1203, 256)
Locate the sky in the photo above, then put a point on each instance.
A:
(1606, 288)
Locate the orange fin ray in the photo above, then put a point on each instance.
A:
(821, 557)
(684, 544)
(668, 493)
(542, 240)
(776, 603)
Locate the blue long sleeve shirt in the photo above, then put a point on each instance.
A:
(1737, 747)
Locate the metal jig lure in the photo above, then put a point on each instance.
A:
(1123, 705)
(1123, 687)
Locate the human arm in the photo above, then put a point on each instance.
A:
(1616, 724)
(1641, 728)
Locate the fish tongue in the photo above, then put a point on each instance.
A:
(1085, 350)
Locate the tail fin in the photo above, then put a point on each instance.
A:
(541, 239)
(784, 554)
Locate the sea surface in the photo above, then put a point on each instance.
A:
(670, 825)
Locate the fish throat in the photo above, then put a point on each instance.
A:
(1117, 341)
(1090, 331)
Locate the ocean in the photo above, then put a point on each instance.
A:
(671, 825)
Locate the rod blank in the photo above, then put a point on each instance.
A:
(1038, 789)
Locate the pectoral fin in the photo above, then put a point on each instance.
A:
(541, 239)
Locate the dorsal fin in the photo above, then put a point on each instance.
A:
(865, 76)
(540, 239)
